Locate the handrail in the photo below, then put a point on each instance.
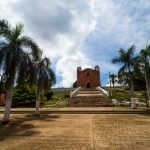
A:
(102, 90)
(72, 94)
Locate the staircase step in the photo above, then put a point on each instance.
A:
(89, 89)
(89, 92)
(90, 104)
(89, 97)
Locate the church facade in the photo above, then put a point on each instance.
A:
(88, 78)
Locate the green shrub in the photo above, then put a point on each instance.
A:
(22, 95)
(43, 99)
(66, 96)
(49, 95)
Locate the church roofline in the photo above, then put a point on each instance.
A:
(95, 68)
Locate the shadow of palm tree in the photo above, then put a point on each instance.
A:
(146, 115)
(23, 126)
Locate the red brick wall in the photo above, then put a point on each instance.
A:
(88, 76)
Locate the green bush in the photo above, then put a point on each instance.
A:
(49, 95)
(43, 99)
(66, 96)
(23, 95)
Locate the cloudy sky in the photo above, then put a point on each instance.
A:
(81, 32)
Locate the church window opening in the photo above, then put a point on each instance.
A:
(88, 74)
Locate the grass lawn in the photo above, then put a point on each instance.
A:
(124, 94)
(59, 99)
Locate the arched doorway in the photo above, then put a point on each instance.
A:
(88, 85)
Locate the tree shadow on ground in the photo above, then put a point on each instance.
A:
(23, 125)
(146, 115)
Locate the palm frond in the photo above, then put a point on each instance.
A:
(116, 60)
(26, 70)
(17, 63)
(4, 23)
(52, 76)
(3, 26)
(131, 50)
(5, 29)
(46, 76)
(47, 62)
(17, 31)
(28, 43)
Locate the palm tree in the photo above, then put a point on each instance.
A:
(45, 79)
(17, 54)
(145, 65)
(113, 79)
(127, 60)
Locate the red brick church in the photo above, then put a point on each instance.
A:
(88, 78)
(89, 92)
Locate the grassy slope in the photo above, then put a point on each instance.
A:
(60, 98)
(124, 94)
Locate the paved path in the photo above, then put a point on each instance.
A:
(76, 132)
(80, 110)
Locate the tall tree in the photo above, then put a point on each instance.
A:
(113, 79)
(17, 54)
(45, 79)
(74, 85)
(127, 60)
(145, 68)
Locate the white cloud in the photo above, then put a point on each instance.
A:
(119, 24)
(123, 22)
(66, 67)
(81, 33)
(60, 29)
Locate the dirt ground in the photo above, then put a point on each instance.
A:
(76, 132)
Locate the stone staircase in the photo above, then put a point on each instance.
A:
(89, 97)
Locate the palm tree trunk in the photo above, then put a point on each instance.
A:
(113, 84)
(148, 91)
(9, 94)
(37, 111)
(8, 102)
(148, 87)
(132, 89)
(133, 104)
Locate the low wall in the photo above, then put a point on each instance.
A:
(2, 99)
